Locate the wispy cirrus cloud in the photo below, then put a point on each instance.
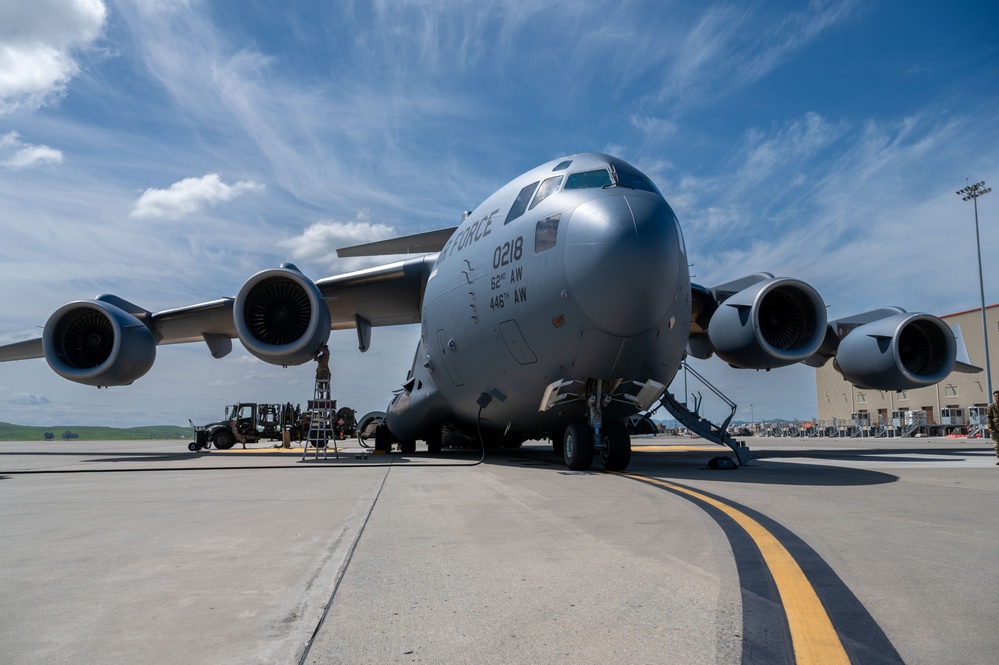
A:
(844, 206)
(188, 196)
(16, 155)
(727, 48)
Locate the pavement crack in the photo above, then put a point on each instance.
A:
(342, 572)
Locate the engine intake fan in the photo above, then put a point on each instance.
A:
(96, 343)
(281, 316)
(899, 352)
(772, 323)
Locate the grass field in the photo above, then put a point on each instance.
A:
(9, 432)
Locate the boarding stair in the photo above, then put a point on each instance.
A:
(702, 426)
(322, 416)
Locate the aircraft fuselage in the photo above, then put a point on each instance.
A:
(574, 271)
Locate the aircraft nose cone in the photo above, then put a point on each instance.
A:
(622, 261)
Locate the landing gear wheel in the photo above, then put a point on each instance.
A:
(407, 447)
(383, 439)
(223, 439)
(435, 441)
(578, 446)
(616, 453)
(193, 447)
(558, 445)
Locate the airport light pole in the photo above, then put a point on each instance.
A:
(972, 192)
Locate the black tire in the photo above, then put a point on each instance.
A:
(578, 446)
(223, 439)
(193, 447)
(558, 445)
(435, 441)
(383, 438)
(616, 453)
(407, 447)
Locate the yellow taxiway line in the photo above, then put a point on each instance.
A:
(813, 637)
(678, 448)
(232, 451)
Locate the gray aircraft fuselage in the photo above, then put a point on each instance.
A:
(587, 283)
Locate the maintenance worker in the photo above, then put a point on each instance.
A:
(323, 359)
(993, 421)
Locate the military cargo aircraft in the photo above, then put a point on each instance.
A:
(559, 307)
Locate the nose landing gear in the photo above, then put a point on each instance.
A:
(584, 436)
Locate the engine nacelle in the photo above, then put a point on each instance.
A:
(773, 323)
(281, 316)
(97, 344)
(900, 352)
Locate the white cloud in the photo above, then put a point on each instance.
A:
(16, 156)
(37, 41)
(188, 196)
(29, 399)
(320, 241)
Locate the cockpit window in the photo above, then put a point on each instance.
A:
(546, 233)
(561, 166)
(589, 180)
(548, 187)
(635, 181)
(520, 205)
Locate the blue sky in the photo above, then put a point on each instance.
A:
(166, 151)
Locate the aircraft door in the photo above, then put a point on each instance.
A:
(447, 347)
(516, 344)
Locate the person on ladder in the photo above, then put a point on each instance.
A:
(323, 360)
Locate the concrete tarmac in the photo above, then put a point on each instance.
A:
(124, 552)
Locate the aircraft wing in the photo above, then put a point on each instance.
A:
(31, 348)
(385, 295)
(762, 322)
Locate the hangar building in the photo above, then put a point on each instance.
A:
(948, 407)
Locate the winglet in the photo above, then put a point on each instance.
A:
(963, 361)
(419, 243)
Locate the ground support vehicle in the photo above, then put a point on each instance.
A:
(246, 422)
(200, 438)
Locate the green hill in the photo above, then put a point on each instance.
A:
(9, 432)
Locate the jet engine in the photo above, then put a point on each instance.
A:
(772, 323)
(97, 344)
(281, 316)
(900, 352)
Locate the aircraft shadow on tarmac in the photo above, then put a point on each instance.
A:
(877, 454)
(692, 465)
